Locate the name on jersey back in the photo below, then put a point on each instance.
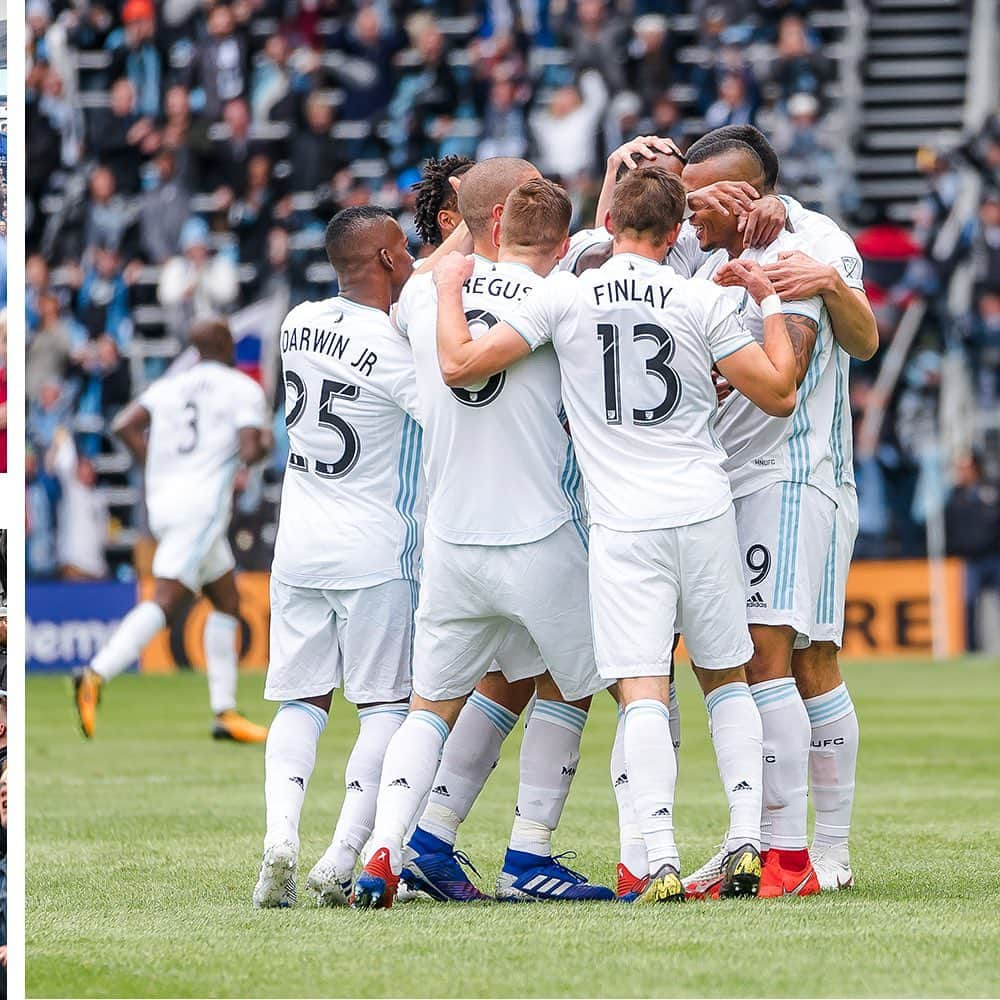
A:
(630, 290)
(330, 342)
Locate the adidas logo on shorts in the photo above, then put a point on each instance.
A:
(756, 601)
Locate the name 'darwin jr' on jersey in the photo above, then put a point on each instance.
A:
(330, 342)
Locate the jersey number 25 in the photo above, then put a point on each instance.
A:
(330, 391)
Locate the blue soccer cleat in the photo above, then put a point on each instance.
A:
(535, 876)
(436, 869)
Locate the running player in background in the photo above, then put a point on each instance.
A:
(344, 577)
(663, 529)
(491, 566)
(190, 432)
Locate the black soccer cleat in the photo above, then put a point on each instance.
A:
(741, 873)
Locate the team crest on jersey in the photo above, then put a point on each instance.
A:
(851, 265)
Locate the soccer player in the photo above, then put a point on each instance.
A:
(783, 487)
(343, 581)
(190, 431)
(636, 344)
(491, 564)
(831, 268)
(436, 211)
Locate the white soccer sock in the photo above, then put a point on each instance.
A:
(785, 727)
(131, 636)
(220, 660)
(550, 754)
(675, 722)
(632, 848)
(411, 760)
(833, 759)
(652, 775)
(361, 780)
(469, 757)
(289, 759)
(734, 722)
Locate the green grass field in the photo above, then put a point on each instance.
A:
(143, 849)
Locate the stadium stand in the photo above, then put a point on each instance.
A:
(183, 158)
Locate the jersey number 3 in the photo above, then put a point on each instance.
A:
(658, 366)
(331, 391)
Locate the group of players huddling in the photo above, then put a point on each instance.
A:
(691, 354)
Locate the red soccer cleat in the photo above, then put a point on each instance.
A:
(630, 886)
(787, 873)
(376, 886)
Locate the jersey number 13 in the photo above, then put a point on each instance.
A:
(658, 366)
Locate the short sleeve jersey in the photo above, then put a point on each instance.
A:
(500, 466)
(685, 256)
(763, 449)
(636, 344)
(826, 242)
(352, 502)
(194, 441)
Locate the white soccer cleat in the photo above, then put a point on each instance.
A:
(700, 884)
(276, 883)
(833, 867)
(329, 887)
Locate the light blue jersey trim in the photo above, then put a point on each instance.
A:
(408, 472)
(837, 430)
(788, 545)
(825, 605)
(570, 483)
(798, 442)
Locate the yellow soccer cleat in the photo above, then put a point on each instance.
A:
(664, 887)
(87, 696)
(230, 725)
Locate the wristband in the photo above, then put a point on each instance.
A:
(770, 305)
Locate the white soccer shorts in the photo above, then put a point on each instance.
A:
(470, 595)
(357, 640)
(828, 620)
(641, 581)
(785, 531)
(195, 553)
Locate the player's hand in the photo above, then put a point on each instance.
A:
(764, 222)
(796, 275)
(643, 147)
(722, 386)
(727, 197)
(452, 269)
(746, 274)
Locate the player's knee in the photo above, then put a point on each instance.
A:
(816, 669)
(512, 695)
(710, 680)
(772, 653)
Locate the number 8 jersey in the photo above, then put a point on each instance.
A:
(352, 500)
(636, 344)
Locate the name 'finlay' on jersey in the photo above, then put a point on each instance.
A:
(351, 502)
(503, 439)
(636, 344)
(193, 450)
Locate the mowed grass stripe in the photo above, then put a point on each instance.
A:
(143, 849)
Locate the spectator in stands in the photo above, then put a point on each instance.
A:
(986, 243)
(136, 57)
(164, 211)
(36, 273)
(505, 127)
(622, 121)
(733, 106)
(58, 115)
(983, 344)
(50, 409)
(102, 303)
(563, 132)
(219, 69)
(805, 157)
(197, 284)
(109, 215)
(48, 348)
(252, 216)
(275, 87)
(797, 68)
(82, 516)
(597, 38)
(117, 135)
(650, 58)
(665, 120)
(315, 155)
(230, 154)
(972, 531)
(178, 136)
(41, 495)
(365, 70)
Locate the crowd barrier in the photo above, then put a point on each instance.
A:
(888, 614)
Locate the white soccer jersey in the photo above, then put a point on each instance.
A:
(636, 344)
(826, 242)
(685, 256)
(500, 466)
(193, 450)
(762, 449)
(351, 502)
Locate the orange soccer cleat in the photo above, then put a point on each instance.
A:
(788, 873)
(230, 725)
(87, 696)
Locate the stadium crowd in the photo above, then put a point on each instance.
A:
(184, 157)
